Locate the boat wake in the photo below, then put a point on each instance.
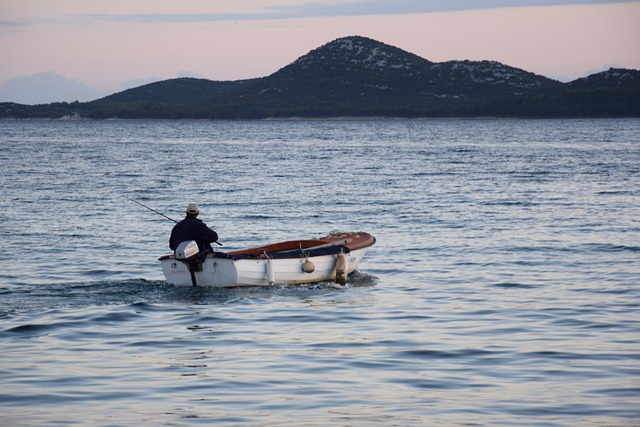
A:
(41, 297)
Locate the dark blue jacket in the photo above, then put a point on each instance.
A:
(192, 228)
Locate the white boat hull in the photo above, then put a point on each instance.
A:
(225, 272)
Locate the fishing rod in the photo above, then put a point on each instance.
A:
(151, 209)
(159, 213)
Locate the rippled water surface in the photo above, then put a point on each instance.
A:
(503, 289)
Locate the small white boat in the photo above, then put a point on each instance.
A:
(329, 258)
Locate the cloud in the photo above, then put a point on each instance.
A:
(158, 18)
(343, 8)
(13, 24)
(281, 9)
(385, 7)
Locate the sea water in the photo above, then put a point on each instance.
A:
(504, 288)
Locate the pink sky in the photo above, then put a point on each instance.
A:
(105, 43)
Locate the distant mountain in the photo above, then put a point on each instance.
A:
(43, 88)
(357, 76)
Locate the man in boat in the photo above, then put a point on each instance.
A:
(192, 228)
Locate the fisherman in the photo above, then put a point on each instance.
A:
(192, 228)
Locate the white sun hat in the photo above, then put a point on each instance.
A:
(193, 208)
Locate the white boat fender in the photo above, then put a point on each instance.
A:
(271, 278)
(342, 268)
(308, 266)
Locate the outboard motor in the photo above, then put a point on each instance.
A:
(188, 252)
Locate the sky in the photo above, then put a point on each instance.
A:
(105, 43)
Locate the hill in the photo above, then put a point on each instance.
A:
(169, 98)
(357, 76)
